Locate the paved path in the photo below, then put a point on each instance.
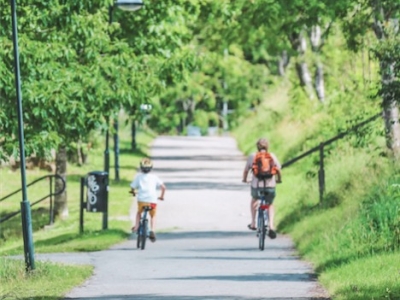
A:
(207, 252)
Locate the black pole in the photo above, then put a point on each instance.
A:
(25, 206)
(116, 149)
(82, 204)
(321, 173)
(116, 137)
(107, 151)
(133, 135)
(51, 202)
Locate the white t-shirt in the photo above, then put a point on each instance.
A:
(260, 183)
(146, 184)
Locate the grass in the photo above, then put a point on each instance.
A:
(373, 277)
(49, 280)
(352, 237)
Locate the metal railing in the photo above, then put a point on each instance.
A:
(51, 195)
(320, 148)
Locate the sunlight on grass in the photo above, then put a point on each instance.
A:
(374, 277)
(47, 281)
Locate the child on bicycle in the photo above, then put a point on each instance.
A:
(146, 185)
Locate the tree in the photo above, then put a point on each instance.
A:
(73, 78)
(382, 17)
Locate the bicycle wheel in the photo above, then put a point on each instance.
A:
(139, 235)
(266, 222)
(144, 234)
(261, 229)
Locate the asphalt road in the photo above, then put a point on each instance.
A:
(206, 250)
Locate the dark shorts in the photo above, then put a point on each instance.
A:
(269, 194)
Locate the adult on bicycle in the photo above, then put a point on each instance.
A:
(146, 185)
(258, 185)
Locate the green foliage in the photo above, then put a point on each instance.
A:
(388, 52)
(380, 216)
(77, 70)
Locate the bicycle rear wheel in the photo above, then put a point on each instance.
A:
(261, 230)
(138, 238)
(144, 234)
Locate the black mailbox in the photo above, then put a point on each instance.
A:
(97, 191)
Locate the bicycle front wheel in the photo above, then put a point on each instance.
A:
(144, 234)
(261, 230)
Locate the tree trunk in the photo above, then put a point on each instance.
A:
(189, 106)
(60, 201)
(393, 128)
(133, 135)
(79, 152)
(283, 62)
(319, 82)
(305, 78)
(386, 27)
(300, 45)
(316, 42)
(390, 109)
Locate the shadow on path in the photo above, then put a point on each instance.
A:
(201, 158)
(253, 277)
(204, 185)
(181, 297)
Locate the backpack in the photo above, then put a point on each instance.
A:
(263, 165)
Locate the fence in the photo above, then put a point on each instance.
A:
(51, 195)
(320, 148)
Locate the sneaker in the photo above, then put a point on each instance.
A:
(152, 236)
(272, 234)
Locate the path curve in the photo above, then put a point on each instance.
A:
(206, 251)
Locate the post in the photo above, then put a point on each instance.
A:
(225, 101)
(107, 151)
(116, 149)
(116, 138)
(25, 206)
(321, 173)
(82, 205)
(51, 202)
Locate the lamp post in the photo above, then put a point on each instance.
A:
(225, 101)
(25, 206)
(127, 5)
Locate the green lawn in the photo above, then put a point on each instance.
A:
(48, 280)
